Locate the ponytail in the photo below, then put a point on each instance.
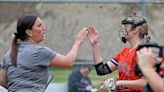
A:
(23, 23)
(14, 52)
(148, 38)
(144, 33)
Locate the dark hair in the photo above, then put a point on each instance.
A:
(86, 66)
(24, 23)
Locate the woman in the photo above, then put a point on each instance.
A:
(26, 63)
(134, 30)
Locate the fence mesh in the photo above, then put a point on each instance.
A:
(64, 20)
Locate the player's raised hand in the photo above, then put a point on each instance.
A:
(93, 35)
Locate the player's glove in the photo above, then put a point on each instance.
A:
(109, 85)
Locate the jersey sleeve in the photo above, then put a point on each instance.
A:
(5, 62)
(45, 56)
(116, 58)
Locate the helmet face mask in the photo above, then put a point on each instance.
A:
(127, 26)
(123, 32)
(129, 21)
(133, 22)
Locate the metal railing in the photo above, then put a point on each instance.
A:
(86, 1)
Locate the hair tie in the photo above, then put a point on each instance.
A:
(16, 35)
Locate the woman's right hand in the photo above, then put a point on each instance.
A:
(80, 37)
(93, 35)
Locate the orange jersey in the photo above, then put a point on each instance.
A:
(126, 61)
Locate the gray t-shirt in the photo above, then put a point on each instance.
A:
(31, 73)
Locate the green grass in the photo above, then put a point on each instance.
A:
(61, 75)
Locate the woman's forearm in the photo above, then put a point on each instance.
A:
(66, 60)
(72, 54)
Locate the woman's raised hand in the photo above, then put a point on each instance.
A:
(80, 37)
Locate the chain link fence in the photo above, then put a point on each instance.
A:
(66, 19)
(86, 1)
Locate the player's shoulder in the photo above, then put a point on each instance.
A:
(125, 50)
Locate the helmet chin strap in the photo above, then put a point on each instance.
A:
(123, 39)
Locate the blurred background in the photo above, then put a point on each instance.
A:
(64, 18)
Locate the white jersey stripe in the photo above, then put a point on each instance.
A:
(114, 61)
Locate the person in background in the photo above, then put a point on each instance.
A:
(25, 65)
(79, 80)
(147, 62)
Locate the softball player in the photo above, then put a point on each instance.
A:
(134, 31)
